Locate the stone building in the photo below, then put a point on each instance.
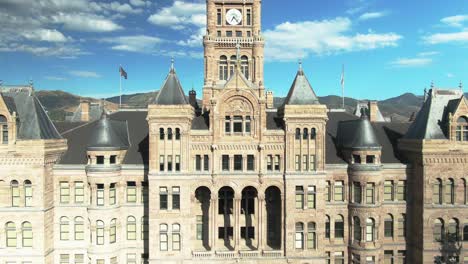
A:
(234, 179)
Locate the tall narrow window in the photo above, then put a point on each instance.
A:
(450, 192)
(131, 228)
(388, 257)
(99, 232)
(339, 257)
(401, 191)
(299, 197)
(64, 192)
(206, 162)
(238, 162)
(79, 192)
(163, 198)
(313, 133)
(237, 124)
(339, 191)
(437, 192)
(161, 134)
(311, 236)
(169, 134)
(177, 163)
(176, 237)
(304, 162)
(357, 229)
(245, 67)
(27, 234)
(388, 191)
(305, 134)
(163, 238)
(388, 226)
(176, 198)
(277, 162)
(402, 225)
(339, 227)
(299, 236)
(223, 68)
(312, 166)
(28, 193)
(269, 163)
(4, 127)
(225, 163)
(250, 162)
(131, 192)
(161, 163)
(169, 163)
(452, 234)
(328, 191)
(298, 134)
(100, 195)
(79, 228)
(249, 17)
(112, 194)
(370, 193)
(311, 194)
(64, 228)
(327, 226)
(198, 161)
(370, 229)
(219, 18)
(438, 230)
(15, 194)
(177, 134)
(232, 65)
(357, 194)
(298, 162)
(227, 124)
(113, 231)
(199, 227)
(10, 230)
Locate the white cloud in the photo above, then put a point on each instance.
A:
(180, 15)
(121, 8)
(438, 38)
(372, 15)
(85, 74)
(455, 21)
(428, 53)
(62, 51)
(137, 43)
(411, 62)
(85, 23)
(55, 78)
(44, 35)
(195, 40)
(140, 3)
(289, 41)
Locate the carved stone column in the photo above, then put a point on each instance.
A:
(213, 216)
(261, 222)
(237, 201)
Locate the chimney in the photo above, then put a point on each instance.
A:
(84, 105)
(193, 98)
(373, 111)
(269, 99)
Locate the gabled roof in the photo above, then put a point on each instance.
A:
(171, 92)
(357, 134)
(238, 80)
(33, 121)
(301, 92)
(109, 134)
(429, 121)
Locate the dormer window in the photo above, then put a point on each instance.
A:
(357, 159)
(4, 128)
(100, 160)
(113, 159)
(370, 159)
(462, 129)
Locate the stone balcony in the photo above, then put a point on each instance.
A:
(241, 254)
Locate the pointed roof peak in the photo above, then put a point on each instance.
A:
(301, 92)
(172, 65)
(300, 71)
(171, 92)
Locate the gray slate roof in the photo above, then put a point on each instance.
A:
(33, 121)
(429, 123)
(171, 93)
(301, 92)
(364, 106)
(357, 134)
(109, 134)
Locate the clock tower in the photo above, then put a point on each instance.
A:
(233, 30)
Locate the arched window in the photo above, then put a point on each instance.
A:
(339, 227)
(176, 237)
(305, 134)
(177, 134)
(79, 228)
(131, 228)
(232, 65)
(4, 127)
(113, 231)
(223, 68)
(161, 134)
(10, 230)
(450, 192)
(313, 133)
(327, 226)
(15, 194)
(465, 233)
(452, 234)
(299, 236)
(99, 232)
(388, 226)
(298, 133)
(357, 229)
(27, 234)
(28, 194)
(169, 134)
(438, 230)
(461, 131)
(370, 229)
(245, 66)
(163, 239)
(311, 236)
(437, 192)
(64, 228)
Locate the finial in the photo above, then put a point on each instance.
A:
(31, 83)
(459, 86)
(300, 64)
(425, 94)
(172, 64)
(432, 84)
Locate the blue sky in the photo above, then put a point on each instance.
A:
(388, 47)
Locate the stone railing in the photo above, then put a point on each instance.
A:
(242, 254)
(226, 254)
(202, 254)
(272, 253)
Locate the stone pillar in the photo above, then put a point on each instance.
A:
(261, 222)
(237, 201)
(214, 224)
(283, 225)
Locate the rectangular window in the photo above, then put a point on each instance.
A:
(177, 163)
(237, 124)
(339, 228)
(370, 159)
(175, 241)
(277, 162)
(79, 192)
(249, 34)
(100, 195)
(219, 18)
(298, 162)
(206, 163)
(218, 34)
(248, 126)
(176, 198)
(64, 259)
(225, 232)
(112, 194)
(327, 228)
(249, 17)
(225, 162)
(299, 197)
(388, 257)
(357, 192)
(388, 191)
(199, 227)
(131, 192)
(312, 166)
(239, 34)
(237, 162)
(401, 191)
(304, 162)
(328, 191)
(79, 259)
(311, 197)
(113, 159)
(269, 163)
(169, 163)
(161, 163)
(5, 134)
(401, 255)
(227, 124)
(100, 261)
(198, 162)
(339, 257)
(64, 192)
(28, 194)
(357, 159)
(100, 235)
(15, 195)
(339, 191)
(100, 160)
(250, 162)
(131, 258)
(163, 241)
(402, 226)
(370, 193)
(370, 260)
(229, 33)
(248, 232)
(163, 198)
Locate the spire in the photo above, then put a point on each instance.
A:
(300, 71)
(432, 84)
(172, 65)
(171, 92)
(461, 86)
(301, 92)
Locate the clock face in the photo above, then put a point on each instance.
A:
(233, 17)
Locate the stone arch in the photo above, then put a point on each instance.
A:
(273, 203)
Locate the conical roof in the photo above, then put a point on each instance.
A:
(357, 134)
(108, 135)
(301, 92)
(171, 93)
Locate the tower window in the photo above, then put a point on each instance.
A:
(225, 164)
(237, 124)
(249, 17)
(223, 68)
(219, 17)
(227, 124)
(250, 162)
(100, 159)
(245, 66)
(229, 33)
(239, 34)
(238, 162)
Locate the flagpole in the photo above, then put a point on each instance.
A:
(342, 87)
(120, 90)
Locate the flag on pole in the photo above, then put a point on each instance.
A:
(342, 77)
(342, 87)
(123, 73)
